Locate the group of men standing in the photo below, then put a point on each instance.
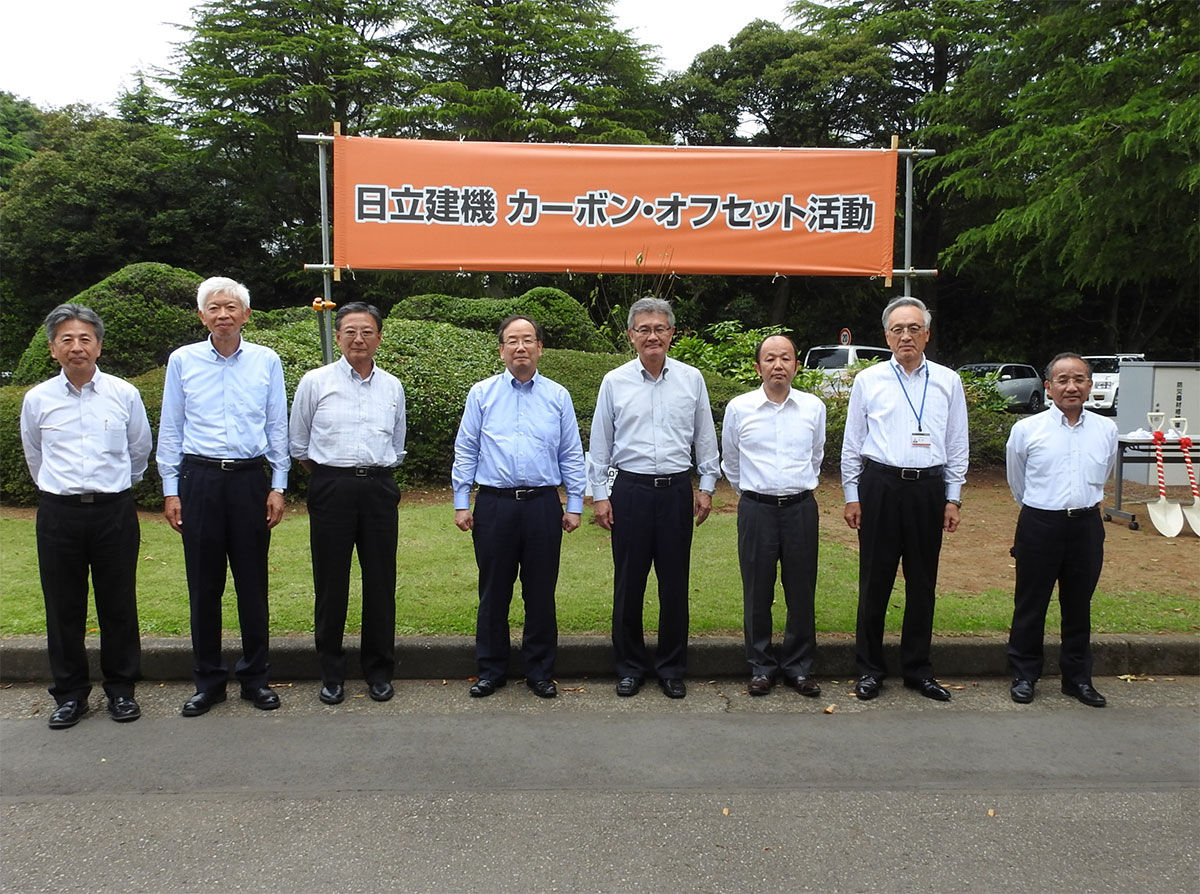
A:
(225, 443)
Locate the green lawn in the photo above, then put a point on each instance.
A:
(436, 588)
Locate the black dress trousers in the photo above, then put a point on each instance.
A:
(225, 520)
(901, 523)
(101, 537)
(651, 526)
(514, 537)
(1050, 548)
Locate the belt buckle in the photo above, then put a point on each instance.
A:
(1079, 513)
(662, 481)
(522, 493)
(87, 498)
(360, 471)
(910, 474)
(228, 465)
(782, 501)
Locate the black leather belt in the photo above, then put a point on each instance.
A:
(778, 500)
(1082, 512)
(906, 474)
(77, 499)
(517, 493)
(225, 465)
(352, 471)
(655, 480)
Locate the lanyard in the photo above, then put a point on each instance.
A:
(924, 394)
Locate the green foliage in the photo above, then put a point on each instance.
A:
(982, 392)
(563, 319)
(20, 127)
(726, 348)
(148, 310)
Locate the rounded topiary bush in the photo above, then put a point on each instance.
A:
(148, 310)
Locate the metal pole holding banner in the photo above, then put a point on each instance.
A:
(324, 305)
(907, 272)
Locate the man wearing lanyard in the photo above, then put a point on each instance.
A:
(650, 414)
(86, 443)
(772, 443)
(518, 440)
(1058, 462)
(904, 461)
(347, 428)
(224, 413)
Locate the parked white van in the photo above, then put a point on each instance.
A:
(1106, 376)
(832, 360)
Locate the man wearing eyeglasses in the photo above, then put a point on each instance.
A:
(518, 441)
(904, 461)
(650, 414)
(347, 428)
(1058, 462)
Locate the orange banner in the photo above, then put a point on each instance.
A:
(434, 205)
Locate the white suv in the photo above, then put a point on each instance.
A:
(832, 361)
(1106, 374)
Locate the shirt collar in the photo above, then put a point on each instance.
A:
(218, 354)
(514, 382)
(71, 389)
(900, 369)
(352, 372)
(764, 399)
(1060, 417)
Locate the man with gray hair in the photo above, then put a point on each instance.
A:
(650, 414)
(224, 415)
(904, 461)
(87, 442)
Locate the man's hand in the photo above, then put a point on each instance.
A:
(275, 505)
(702, 507)
(463, 519)
(853, 515)
(951, 518)
(173, 513)
(602, 510)
(570, 521)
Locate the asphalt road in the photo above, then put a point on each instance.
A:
(434, 791)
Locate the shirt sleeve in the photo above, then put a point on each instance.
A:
(958, 450)
(818, 454)
(300, 423)
(170, 429)
(730, 447)
(466, 450)
(139, 436)
(400, 431)
(277, 427)
(601, 441)
(852, 442)
(31, 436)
(708, 458)
(570, 455)
(1015, 455)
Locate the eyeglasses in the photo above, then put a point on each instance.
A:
(913, 329)
(660, 331)
(1064, 381)
(352, 334)
(527, 341)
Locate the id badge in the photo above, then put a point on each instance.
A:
(922, 439)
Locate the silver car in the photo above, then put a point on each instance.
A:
(1018, 382)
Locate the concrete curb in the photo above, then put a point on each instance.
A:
(23, 658)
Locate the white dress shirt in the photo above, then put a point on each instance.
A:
(1055, 465)
(649, 426)
(888, 405)
(93, 439)
(771, 448)
(341, 419)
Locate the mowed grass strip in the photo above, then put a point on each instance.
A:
(436, 587)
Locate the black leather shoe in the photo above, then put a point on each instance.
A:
(760, 684)
(484, 688)
(332, 693)
(124, 709)
(1086, 693)
(543, 688)
(1022, 691)
(806, 686)
(381, 691)
(673, 687)
(867, 687)
(627, 686)
(263, 698)
(68, 713)
(930, 688)
(200, 703)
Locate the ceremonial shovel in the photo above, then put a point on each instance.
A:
(1191, 513)
(1167, 516)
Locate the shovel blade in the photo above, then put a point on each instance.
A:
(1192, 514)
(1166, 516)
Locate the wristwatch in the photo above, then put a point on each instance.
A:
(957, 503)
(278, 490)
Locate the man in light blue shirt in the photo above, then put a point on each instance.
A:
(224, 414)
(650, 414)
(518, 440)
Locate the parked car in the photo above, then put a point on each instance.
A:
(832, 360)
(1106, 377)
(1020, 383)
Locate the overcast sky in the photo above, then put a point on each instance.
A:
(57, 52)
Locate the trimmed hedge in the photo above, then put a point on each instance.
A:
(563, 319)
(148, 311)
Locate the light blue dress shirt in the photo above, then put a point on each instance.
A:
(518, 434)
(224, 408)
